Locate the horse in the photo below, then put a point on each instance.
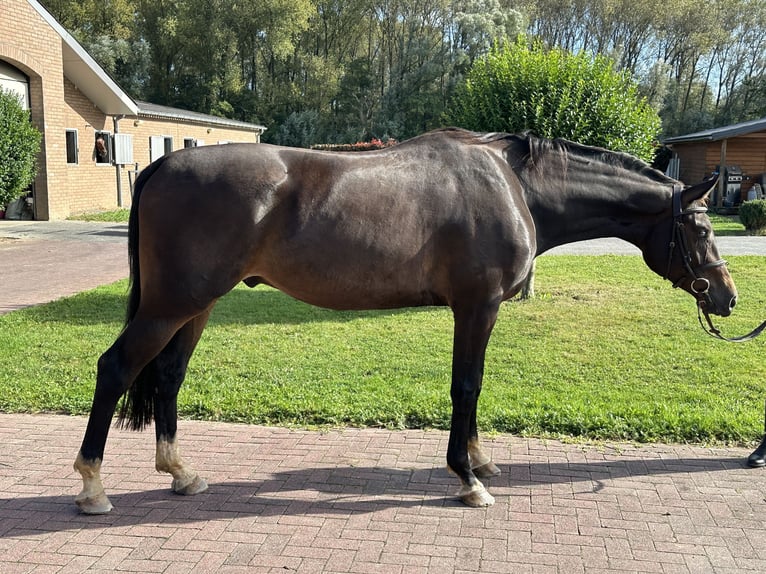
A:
(449, 218)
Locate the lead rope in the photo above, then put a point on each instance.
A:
(714, 332)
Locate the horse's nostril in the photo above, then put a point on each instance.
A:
(733, 302)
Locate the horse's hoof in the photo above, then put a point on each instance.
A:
(98, 504)
(756, 460)
(195, 486)
(486, 470)
(476, 497)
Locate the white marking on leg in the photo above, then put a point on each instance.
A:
(92, 499)
(476, 455)
(481, 464)
(168, 459)
(476, 495)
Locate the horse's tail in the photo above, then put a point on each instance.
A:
(137, 409)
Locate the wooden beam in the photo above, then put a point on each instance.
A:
(722, 176)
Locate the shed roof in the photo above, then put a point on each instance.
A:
(717, 134)
(99, 87)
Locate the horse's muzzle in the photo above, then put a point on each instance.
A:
(708, 304)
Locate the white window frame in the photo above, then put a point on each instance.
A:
(109, 141)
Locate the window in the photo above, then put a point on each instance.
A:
(71, 146)
(190, 142)
(159, 146)
(102, 150)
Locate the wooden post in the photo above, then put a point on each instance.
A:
(722, 176)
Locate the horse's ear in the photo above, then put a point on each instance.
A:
(699, 191)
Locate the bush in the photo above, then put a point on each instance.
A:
(752, 214)
(19, 146)
(554, 93)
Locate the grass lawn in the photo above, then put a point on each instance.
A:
(114, 216)
(727, 225)
(607, 350)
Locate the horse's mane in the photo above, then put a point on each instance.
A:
(530, 151)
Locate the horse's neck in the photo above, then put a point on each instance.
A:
(591, 205)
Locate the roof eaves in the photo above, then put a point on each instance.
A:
(83, 69)
(149, 110)
(722, 133)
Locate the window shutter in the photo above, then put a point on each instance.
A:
(156, 147)
(123, 149)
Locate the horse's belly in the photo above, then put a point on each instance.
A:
(357, 289)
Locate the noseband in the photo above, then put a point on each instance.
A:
(699, 286)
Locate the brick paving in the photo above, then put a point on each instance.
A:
(41, 261)
(371, 500)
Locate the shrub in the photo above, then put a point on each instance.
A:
(19, 146)
(554, 93)
(752, 214)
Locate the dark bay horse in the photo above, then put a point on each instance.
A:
(448, 218)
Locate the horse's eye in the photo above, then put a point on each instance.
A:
(702, 233)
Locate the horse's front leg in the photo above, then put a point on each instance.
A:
(473, 326)
(481, 464)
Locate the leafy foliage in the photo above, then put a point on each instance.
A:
(752, 214)
(554, 93)
(19, 146)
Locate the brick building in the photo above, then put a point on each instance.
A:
(94, 134)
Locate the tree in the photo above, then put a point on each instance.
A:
(19, 146)
(554, 93)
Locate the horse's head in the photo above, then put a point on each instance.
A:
(681, 248)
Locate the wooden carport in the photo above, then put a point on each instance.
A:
(699, 154)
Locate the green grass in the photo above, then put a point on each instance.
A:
(115, 216)
(724, 225)
(607, 350)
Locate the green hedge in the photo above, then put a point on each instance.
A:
(19, 146)
(752, 214)
(554, 93)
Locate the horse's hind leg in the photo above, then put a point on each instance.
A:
(118, 368)
(170, 371)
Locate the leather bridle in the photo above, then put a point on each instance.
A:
(699, 286)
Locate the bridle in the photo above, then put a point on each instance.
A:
(699, 286)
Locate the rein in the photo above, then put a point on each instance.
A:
(699, 286)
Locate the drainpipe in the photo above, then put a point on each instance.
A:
(116, 120)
